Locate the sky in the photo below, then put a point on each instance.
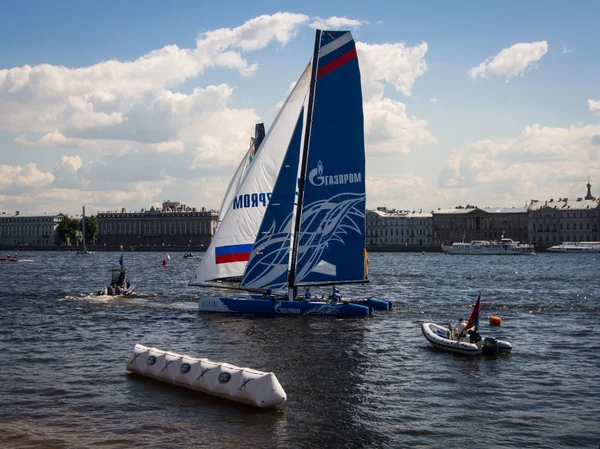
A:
(127, 104)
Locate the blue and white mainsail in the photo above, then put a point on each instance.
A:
(269, 261)
(332, 223)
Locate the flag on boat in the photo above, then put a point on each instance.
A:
(121, 260)
(474, 318)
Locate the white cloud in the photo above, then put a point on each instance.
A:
(565, 50)
(594, 106)
(511, 61)
(335, 23)
(27, 178)
(434, 100)
(395, 64)
(115, 95)
(389, 130)
(542, 162)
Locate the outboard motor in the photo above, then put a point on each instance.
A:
(489, 346)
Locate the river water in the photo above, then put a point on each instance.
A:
(372, 382)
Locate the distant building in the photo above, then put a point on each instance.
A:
(565, 220)
(393, 227)
(457, 225)
(174, 224)
(29, 229)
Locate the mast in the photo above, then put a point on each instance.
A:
(83, 227)
(303, 161)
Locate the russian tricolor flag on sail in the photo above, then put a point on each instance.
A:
(337, 48)
(233, 253)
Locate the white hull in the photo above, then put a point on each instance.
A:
(439, 337)
(505, 247)
(231, 382)
(487, 251)
(576, 247)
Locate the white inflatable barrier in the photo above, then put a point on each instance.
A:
(218, 379)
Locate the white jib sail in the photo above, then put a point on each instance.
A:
(228, 253)
(233, 186)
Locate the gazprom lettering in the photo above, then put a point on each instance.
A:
(251, 200)
(316, 178)
(281, 309)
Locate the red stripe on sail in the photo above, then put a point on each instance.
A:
(336, 63)
(238, 257)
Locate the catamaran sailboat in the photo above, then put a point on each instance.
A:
(84, 249)
(297, 217)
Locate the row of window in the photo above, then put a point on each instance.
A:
(29, 220)
(162, 214)
(553, 215)
(155, 227)
(25, 242)
(399, 241)
(27, 230)
(394, 222)
(397, 232)
(574, 238)
(587, 227)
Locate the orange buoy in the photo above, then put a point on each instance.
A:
(495, 321)
(164, 262)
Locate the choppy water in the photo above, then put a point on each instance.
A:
(350, 383)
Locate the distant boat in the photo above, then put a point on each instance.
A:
(119, 284)
(576, 247)
(9, 258)
(191, 256)
(84, 249)
(485, 247)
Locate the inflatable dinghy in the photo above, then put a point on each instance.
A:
(243, 385)
(441, 338)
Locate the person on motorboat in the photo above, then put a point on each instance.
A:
(307, 295)
(460, 328)
(474, 336)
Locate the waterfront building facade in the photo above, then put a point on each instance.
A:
(554, 222)
(467, 224)
(29, 229)
(174, 224)
(395, 227)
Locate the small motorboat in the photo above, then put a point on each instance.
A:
(442, 338)
(9, 258)
(191, 256)
(119, 284)
(467, 341)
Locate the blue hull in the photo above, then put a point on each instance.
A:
(276, 307)
(377, 304)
